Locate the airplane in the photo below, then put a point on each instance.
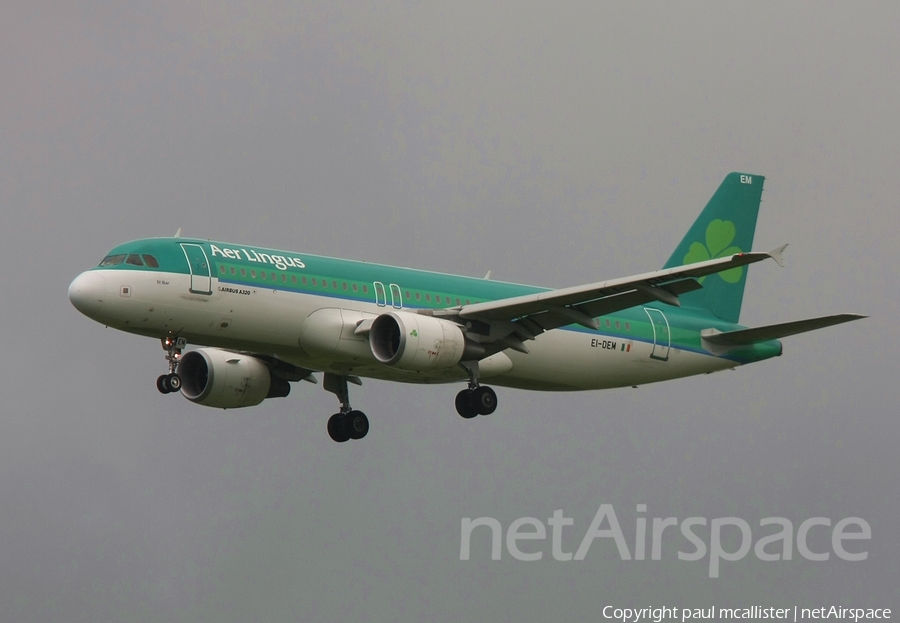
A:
(264, 319)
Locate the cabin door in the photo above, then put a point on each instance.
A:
(662, 339)
(201, 279)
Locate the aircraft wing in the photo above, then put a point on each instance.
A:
(532, 314)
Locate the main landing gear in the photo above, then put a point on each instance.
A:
(477, 399)
(474, 401)
(171, 382)
(348, 423)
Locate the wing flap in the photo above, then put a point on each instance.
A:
(638, 296)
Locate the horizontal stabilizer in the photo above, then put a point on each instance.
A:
(745, 337)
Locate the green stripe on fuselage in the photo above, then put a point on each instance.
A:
(419, 289)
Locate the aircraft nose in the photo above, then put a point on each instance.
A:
(87, 292)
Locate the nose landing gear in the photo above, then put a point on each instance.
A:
(168, 383)
(171, 382)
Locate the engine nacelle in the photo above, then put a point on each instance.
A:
(418, 343)
(219, 378)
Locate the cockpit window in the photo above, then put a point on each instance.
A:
(134, 259)
(150, 261)
(112, 260)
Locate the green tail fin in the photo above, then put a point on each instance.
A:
(725, 227)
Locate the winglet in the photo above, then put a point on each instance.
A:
(777, 255)
(177, 233)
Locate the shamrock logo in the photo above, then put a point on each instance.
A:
(719, 234)
(414, 333)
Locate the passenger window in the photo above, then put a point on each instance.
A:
(243, 272)
(262, 274)
(233, 271)
(150, 261)
(112, 260)
(222, 269)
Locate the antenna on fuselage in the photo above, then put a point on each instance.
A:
(177, 233)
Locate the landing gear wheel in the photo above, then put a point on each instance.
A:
(356, 424)
(484, 400)
(171, 382)
(337, 429)
(464, 404)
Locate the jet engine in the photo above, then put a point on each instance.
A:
(419, 343)
(227, 380)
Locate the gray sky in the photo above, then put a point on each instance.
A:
(554, 145)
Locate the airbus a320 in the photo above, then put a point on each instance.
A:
(263, 320)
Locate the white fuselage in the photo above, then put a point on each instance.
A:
(293, 327)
